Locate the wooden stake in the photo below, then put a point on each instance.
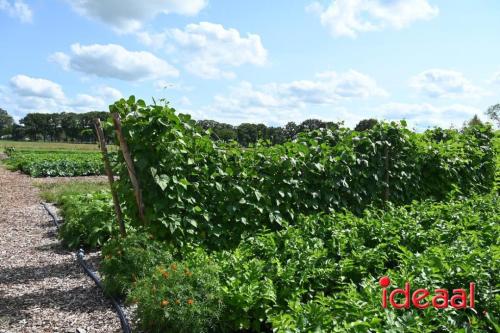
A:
(386, 166)
(109, 173)
(130, 165)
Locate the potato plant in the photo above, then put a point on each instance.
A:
(321, 274)
(56, 163)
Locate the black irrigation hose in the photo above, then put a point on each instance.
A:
(54, 218)
(81, 261)
(118, 308)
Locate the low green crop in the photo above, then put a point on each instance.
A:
(89, 219)
(56, 163)
(321, 275)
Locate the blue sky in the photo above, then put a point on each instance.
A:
(428, 61)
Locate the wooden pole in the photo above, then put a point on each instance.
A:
(386, 166)
(130, 165)
(109, 173)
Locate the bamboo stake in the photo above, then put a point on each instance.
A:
(109, 173)
(130, 165)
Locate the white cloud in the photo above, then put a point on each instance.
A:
(18, 9)
(100, 100)
(422, 116)
(114, 61)
(110, 93)
(436, 83)
(35, 95)
(185, 101)
(35, 87)
(209, 49)
(246, 103)
(351, 17)
(495, 78)
(129, 15)
(279, 102)
(61, 59)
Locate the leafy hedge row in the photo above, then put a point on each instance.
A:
(56, 163)
(201, 192)
(320, 275)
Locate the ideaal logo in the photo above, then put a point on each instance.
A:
(440, 298)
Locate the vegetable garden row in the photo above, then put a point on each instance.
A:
(55, 163)
(293, 237)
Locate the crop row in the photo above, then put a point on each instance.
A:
(320, 274)
(56, 163)
(293, 237)
(202, 192)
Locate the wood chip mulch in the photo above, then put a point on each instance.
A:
(42, 289)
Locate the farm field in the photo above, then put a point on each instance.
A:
(47, 146)
(291, 237)
(302, 166)
(58, 163)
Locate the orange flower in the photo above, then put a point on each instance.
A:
(190, 301)
(188, 273)
(177, 302)
(164, 303)
(165, 275)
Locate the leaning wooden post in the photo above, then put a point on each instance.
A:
(109, 173)
(130, 165)
(386, 176)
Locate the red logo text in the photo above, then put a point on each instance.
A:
(460, 298)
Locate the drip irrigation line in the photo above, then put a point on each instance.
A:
(123, 319)
(80, 255)
(54, 218)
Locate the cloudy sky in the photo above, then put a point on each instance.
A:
(431, 62)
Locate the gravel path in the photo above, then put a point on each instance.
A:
(41, 287)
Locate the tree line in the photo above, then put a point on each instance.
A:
(247, 133)
(61, 127)
(79, 127)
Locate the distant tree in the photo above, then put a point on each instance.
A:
(475, 121)
(276, 135)
(34, 126)
(70, 125)
(6, 122)
(18, 132)
(220, 131)
(78, 127)
(311, 125)
(365, 124)
(247, 134)
(494, 113)
(227, 134)
(291, 130)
